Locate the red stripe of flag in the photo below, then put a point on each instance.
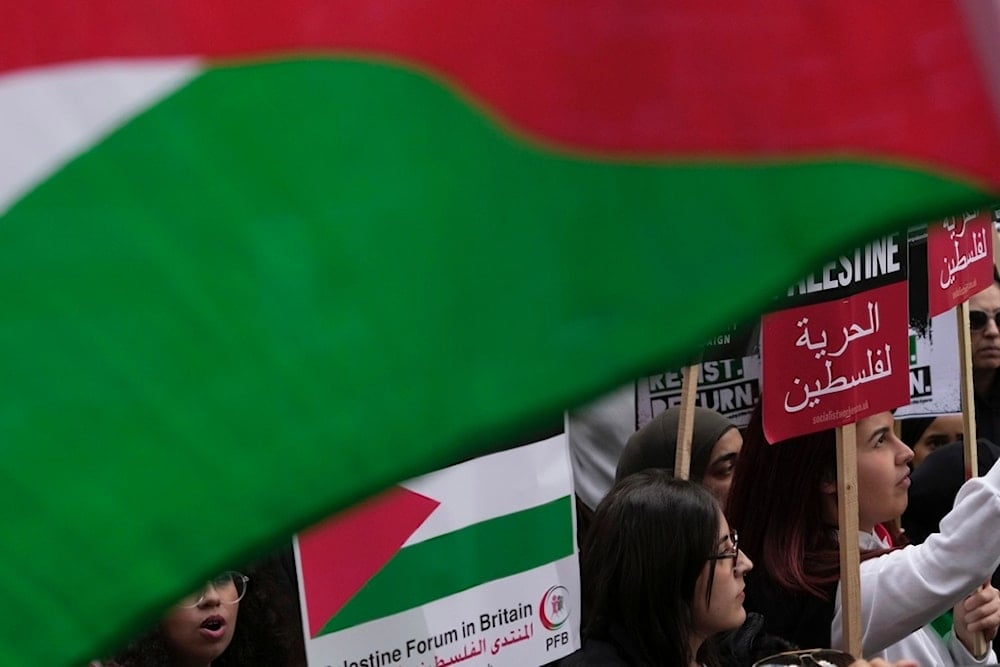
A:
(339, 556)
(655, 78)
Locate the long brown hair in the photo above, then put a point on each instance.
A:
(777, 501)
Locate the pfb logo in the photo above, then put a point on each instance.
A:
(554, 608)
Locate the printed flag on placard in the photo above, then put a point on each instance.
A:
(291, 253)
(468, 561)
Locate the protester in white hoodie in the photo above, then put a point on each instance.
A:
(784, 503)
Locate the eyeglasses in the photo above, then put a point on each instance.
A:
(820, 657)
(733, 553)
(978, 319)
(230, 586)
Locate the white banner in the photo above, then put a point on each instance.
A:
(934, 374)
(474, 565)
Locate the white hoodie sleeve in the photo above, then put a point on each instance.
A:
(906, 589)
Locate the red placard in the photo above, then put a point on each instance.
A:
(959, 259)
(832, 363)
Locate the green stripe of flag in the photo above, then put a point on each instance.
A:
(457, 561)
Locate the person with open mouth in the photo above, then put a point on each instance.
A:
(200, 627)
(195, 632)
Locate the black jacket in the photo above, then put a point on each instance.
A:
(615, 650)
(740, 648)
(800, 618)
(935, 484)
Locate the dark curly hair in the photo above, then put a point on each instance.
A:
(268, 631)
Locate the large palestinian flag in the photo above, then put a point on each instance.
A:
(263, 259)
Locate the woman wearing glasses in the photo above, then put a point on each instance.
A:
(202, 628)
(784, 497)
(197, 631)
(661, 574)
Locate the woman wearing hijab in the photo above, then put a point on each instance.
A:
(715, 447)
(924, 435)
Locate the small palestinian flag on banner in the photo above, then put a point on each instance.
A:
(443, 552)
(265, 259)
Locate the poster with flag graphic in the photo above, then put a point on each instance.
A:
(473, 565)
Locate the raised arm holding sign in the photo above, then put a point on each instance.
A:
(960, 256)
(785, 502)
(809, 496)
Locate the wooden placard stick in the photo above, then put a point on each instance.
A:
(979, 645)
(850, 551)
(685, 425)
